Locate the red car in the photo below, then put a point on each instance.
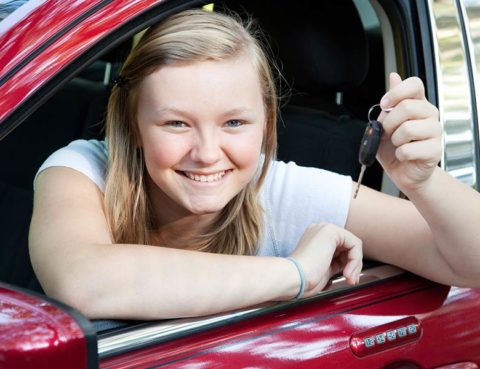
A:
(57, 62)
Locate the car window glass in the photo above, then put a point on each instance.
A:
(367, 14)
(12, 7)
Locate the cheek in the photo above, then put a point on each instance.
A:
(246, 151)
(163, 153)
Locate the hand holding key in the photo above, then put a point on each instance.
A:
(410, 146)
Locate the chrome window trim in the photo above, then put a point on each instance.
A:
(455, 100)
(162, 331)
(471, 17)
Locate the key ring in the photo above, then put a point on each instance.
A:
(377, 106)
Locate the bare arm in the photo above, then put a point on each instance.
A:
(394, 231)
(76, 262)
(434, 234)
(452, 210)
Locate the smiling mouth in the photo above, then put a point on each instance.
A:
(215, 177)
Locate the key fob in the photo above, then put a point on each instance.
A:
(370, 143)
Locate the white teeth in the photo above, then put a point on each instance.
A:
(201, 178)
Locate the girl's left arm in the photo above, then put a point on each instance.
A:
(434, 234)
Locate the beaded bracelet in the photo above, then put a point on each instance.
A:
(302, 278)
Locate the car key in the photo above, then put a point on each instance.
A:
(369, 146)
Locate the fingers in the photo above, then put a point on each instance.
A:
(408, 111)
(427, 151)
(411, 142)
(412, 120)
(411, 88)
(349, 258)
(326, 249)
(416, 130)
(406, 100)
(353, 261)
(352, 271)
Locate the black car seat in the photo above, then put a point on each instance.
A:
(70, 114)
(323, 51)
(76, 111)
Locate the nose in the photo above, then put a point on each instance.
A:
(206, 148)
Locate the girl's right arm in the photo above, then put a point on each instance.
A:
(75, 261)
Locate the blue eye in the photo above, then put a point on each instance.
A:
(234, 123)
(177, 124)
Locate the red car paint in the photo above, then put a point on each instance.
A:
(37, 334)
(322, 333)
(25, 82)
(25, 37)
(317, 334)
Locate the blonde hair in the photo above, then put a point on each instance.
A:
(187, 37)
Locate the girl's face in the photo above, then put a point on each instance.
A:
(201, 129)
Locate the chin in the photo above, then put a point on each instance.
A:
(206, 209)
(207, 205)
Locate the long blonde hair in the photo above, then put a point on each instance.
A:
(187, 37)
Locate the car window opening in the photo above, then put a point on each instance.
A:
(320, 125)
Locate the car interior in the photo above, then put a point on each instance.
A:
(331, 56)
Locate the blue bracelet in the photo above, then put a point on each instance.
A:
(302, 278)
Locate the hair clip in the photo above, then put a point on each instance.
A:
(119, 81)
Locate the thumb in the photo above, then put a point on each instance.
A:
(393, 80)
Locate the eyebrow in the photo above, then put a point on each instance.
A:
(236, 111)
(231, 112)
(170, 110)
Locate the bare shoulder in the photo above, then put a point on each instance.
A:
(67, 201)
(68, 216)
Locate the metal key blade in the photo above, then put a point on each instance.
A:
(362, 172)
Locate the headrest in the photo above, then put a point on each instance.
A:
(321, 44)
